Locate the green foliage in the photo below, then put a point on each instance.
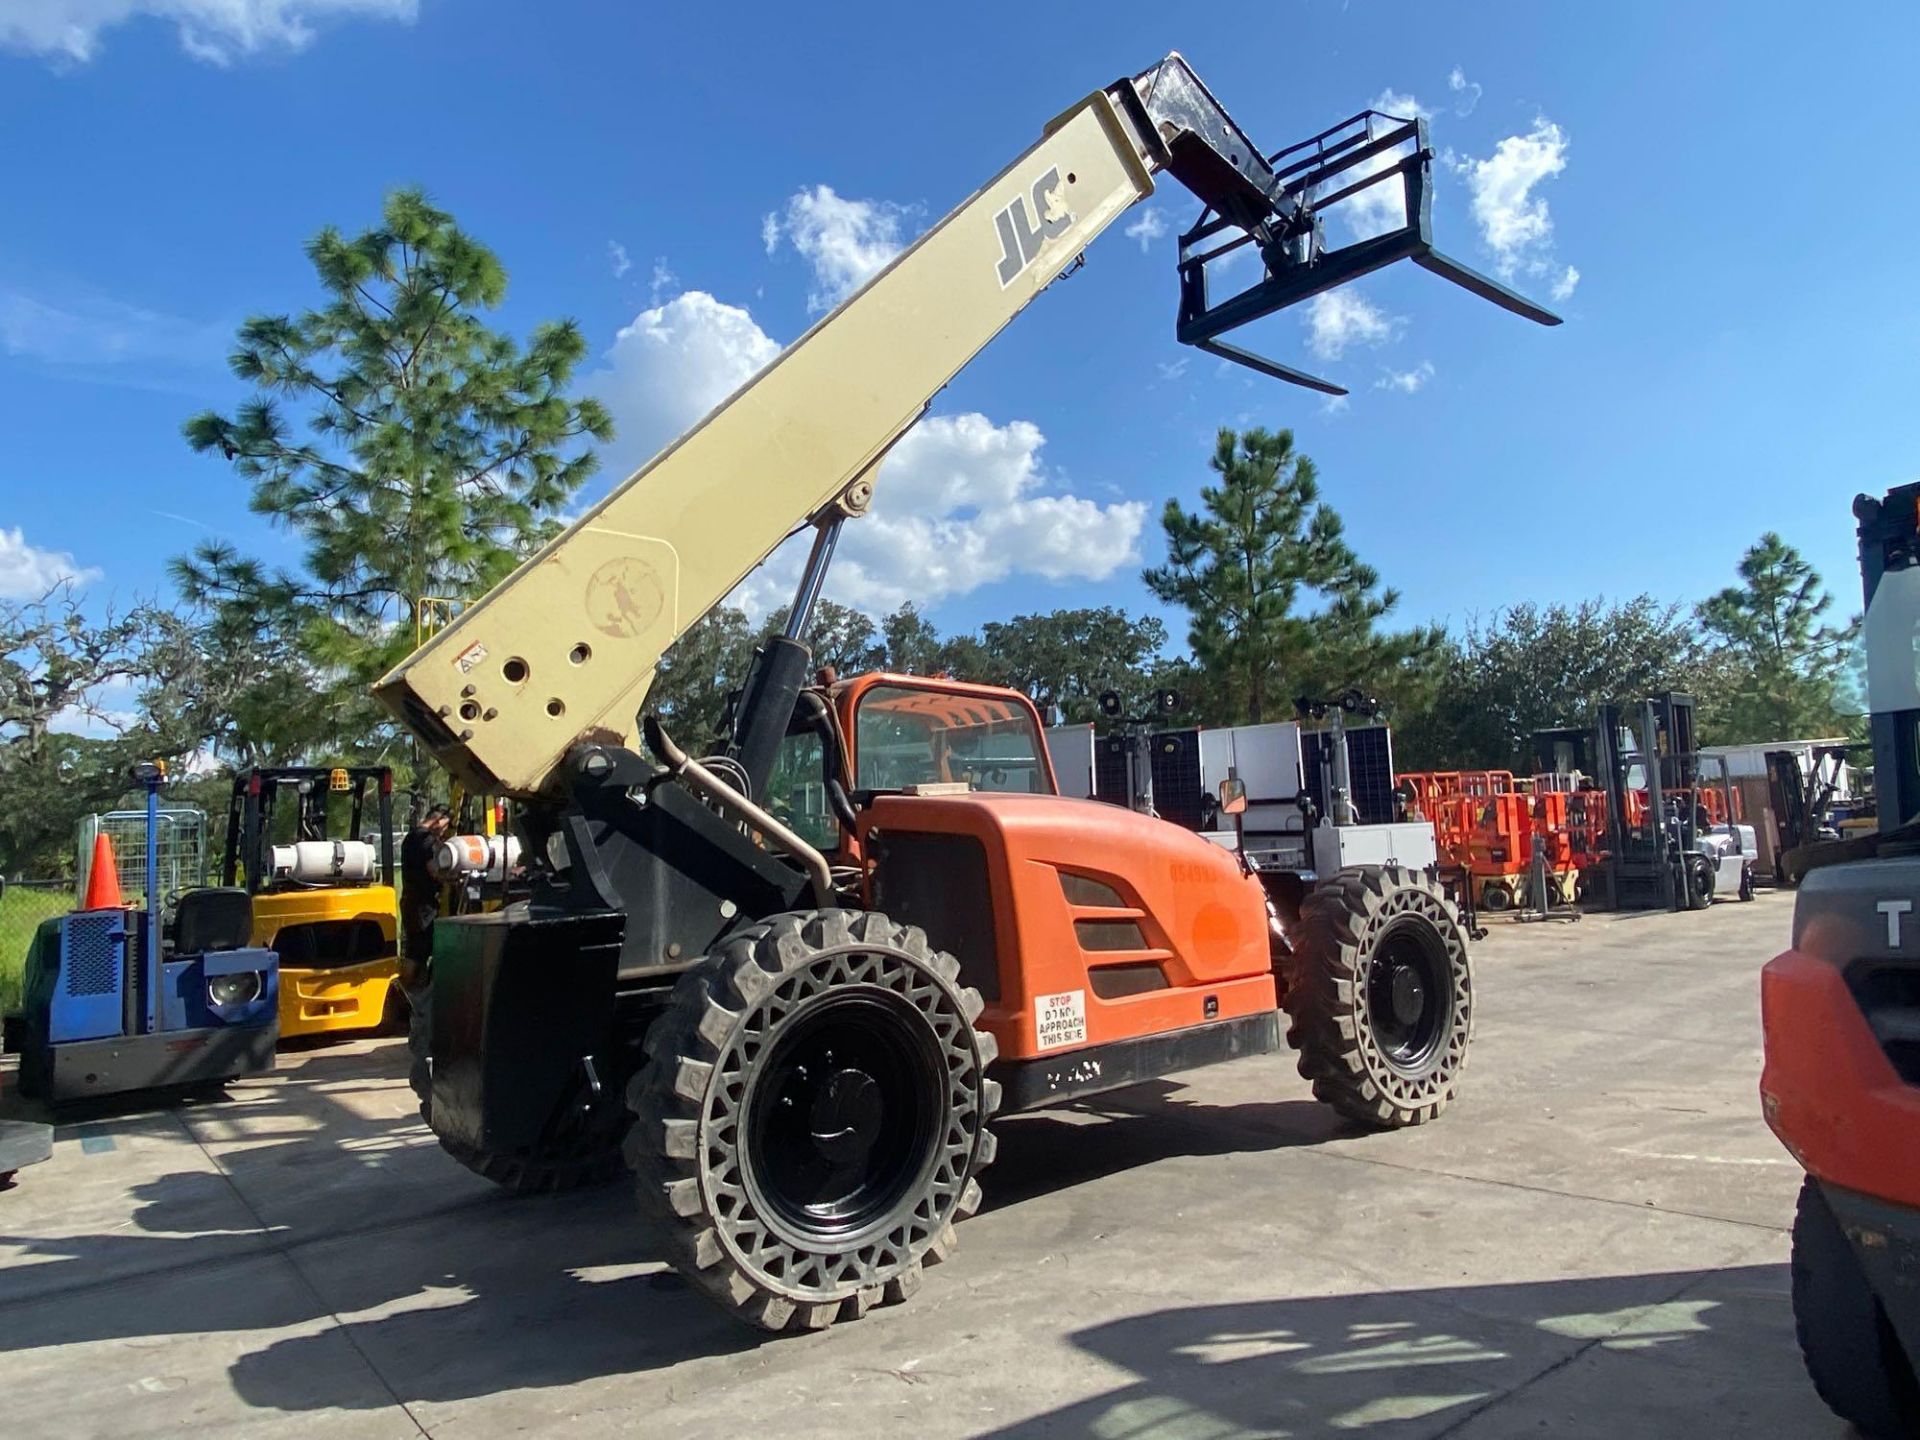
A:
(22, 908)
(695, 676)
(1067, 657)
(913, 646)
(58, 667)
(1787, 672)
(1278, 603)
(1535, 667)
(415, 452)
(840, 637)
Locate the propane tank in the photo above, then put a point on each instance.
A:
(325, 862)
(474, 857)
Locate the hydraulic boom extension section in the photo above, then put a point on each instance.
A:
(562, 652)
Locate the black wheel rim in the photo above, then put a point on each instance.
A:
(1409, 996)
(846, 1115)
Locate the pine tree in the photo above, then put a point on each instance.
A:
(1789, 670)
(1248, 566)
(417, 453)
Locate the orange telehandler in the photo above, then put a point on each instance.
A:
(794, 981)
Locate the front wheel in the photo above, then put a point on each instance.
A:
(811, 1117)
(1379, 990)
(1700, 874)
(1852, 1354)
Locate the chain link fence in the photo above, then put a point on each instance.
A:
(183, 855)
(182, 833)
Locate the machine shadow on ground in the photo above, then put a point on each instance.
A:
(1611, 1357)
(489, 1269)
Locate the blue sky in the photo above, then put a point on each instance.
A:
(1739, 352)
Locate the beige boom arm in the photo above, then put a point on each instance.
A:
(564, 649)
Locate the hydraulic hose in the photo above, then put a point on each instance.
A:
(700, 778)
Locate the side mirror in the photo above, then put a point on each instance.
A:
(1233, 797)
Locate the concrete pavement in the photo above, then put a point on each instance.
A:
(1593, 1242)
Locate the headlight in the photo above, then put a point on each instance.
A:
(237, 989)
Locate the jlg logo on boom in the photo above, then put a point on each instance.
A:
(1023, 231)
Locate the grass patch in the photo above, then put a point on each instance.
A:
(21, 911)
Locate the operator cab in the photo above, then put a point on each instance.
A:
(901, 734)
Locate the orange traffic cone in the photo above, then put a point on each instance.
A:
(103, 878)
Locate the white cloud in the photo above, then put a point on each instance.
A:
(1563, 287)
(1151, 226)
(617, 253)
(1173, 369)
(1405, 381)
(28, 572)
(216, 31)
(661, 280)
(847, 242)
(673, 364)
(1515, 222)
(93, 721)
(88, 329)
(1465, 89)
(1402, 107)
(1336, 319)
(1384, 206)
(960, 502)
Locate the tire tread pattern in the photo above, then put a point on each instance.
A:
(675, 1136)
(1325, 995)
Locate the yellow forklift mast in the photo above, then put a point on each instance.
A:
(323, 891)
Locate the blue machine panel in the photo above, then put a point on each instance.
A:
(90, 993)
(189, 1005)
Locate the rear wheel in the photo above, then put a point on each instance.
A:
(1379, 990)
(1852, 1354)
(1746, 882)
(811, 1117)
(1495, 896)
(581, 1148)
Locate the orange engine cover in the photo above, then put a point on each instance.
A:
(1080, 923)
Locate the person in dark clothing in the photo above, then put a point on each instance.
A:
(420, 895)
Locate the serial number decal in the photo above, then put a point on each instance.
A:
(1060, 1020)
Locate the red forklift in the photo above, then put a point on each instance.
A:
(1841, 1010)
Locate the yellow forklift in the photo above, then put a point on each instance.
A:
(323, 891)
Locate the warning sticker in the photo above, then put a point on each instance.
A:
(470, 657)
(1060, 1020)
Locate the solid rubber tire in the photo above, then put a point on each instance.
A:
(691, 1104)
(1325, 978)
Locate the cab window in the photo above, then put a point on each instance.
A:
(797, 790)
(907, 736)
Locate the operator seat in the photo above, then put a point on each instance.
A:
(211, 919)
